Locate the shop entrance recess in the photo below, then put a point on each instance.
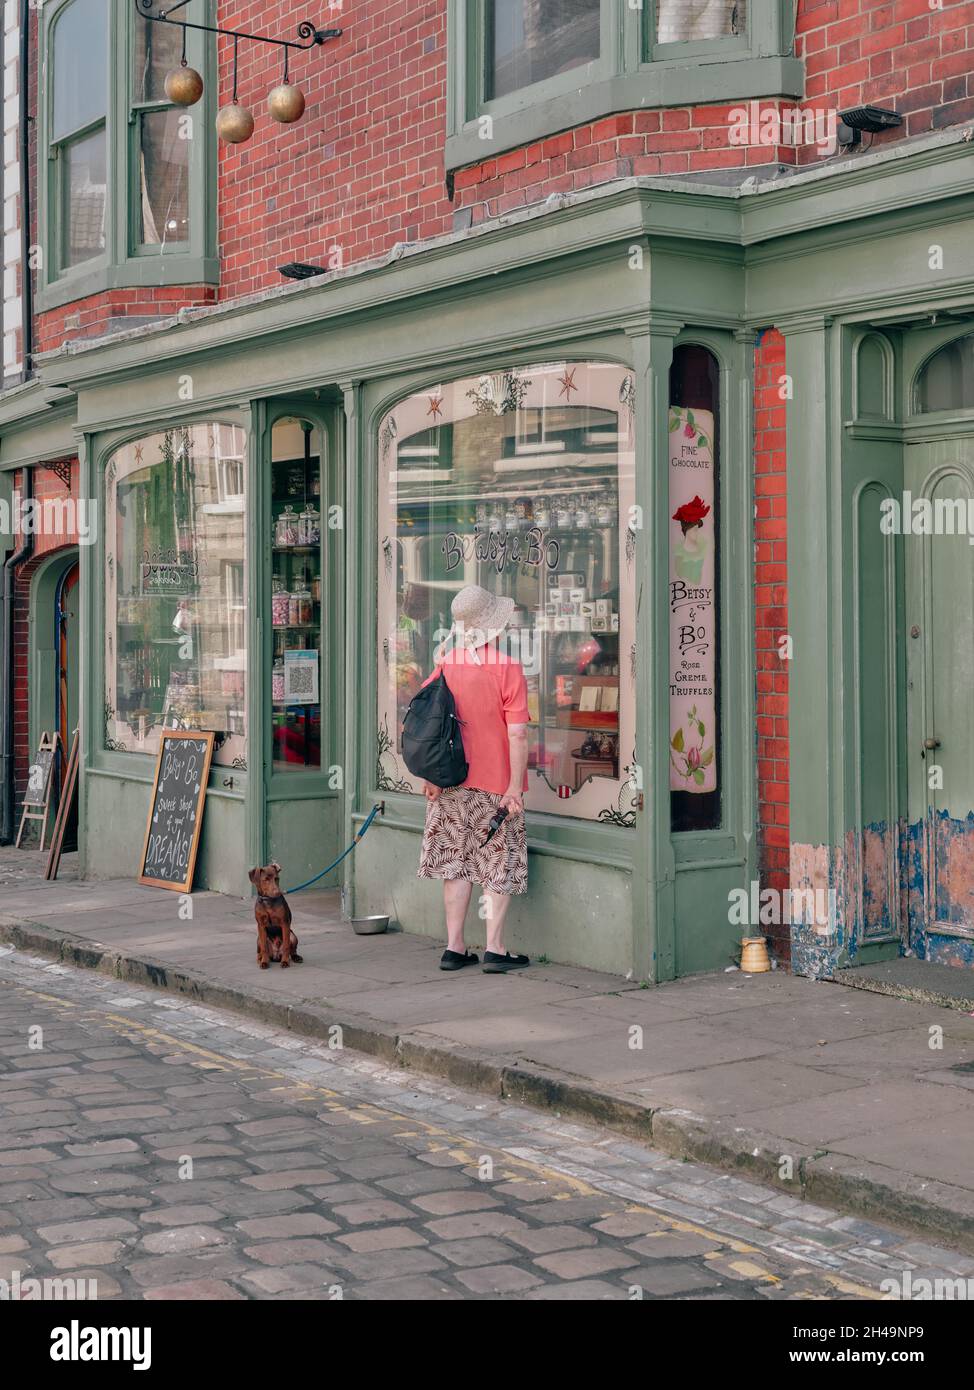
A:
(939, 569)
(301, 596)
(709, 663)
(53, 675)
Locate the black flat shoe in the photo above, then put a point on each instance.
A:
(500, 965)
(453, 960)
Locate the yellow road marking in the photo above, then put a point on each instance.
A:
(849, 1286)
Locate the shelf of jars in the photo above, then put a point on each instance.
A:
(552, 511)
(296, 611)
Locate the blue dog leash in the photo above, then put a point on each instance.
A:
(379, 806)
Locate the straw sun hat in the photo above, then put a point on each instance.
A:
(478, 615)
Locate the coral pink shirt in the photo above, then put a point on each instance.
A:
(488, 696)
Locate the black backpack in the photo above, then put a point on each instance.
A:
(432, 746)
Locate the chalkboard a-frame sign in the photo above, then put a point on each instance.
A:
(176, 810)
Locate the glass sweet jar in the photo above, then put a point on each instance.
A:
(309, 526)
(280, 604)
(300, 608)
(286, 529)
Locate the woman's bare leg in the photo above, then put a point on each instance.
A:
(497, 905)
(456, 900)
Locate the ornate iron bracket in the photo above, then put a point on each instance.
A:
(62, 469)
(306, 30)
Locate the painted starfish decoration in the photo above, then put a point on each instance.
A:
(567, 383)
(436, 406)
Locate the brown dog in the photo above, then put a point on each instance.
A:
(275, 939)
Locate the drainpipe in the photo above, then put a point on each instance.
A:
(26, 278)
(8, 667)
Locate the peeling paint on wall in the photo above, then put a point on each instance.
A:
(882, 876)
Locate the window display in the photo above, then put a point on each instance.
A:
(521, 482)
(295, 596)
(175, 605)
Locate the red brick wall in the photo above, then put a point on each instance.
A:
(771, 619)
(364, 168)
(903, 54)
(678, 141)
(90, 318)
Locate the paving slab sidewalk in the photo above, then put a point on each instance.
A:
(840, 1097)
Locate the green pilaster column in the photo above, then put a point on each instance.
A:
(653, 885)
(360, 599)
(741, 610)
(91, 655)
(258, 637)
(815, 623)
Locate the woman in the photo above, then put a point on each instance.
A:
(491, 699)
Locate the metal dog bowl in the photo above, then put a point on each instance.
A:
(370, 926)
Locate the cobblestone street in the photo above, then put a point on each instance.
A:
(166, 1150)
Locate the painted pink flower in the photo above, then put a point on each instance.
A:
(689, 431)
(693, 758)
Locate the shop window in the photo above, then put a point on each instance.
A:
(520, 481)
(530, 40)
(295, 600)
(946, 382)
(127, 172)
(694, 590)
(525, 69)
(175, 602)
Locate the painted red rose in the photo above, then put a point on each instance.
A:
(691, 513)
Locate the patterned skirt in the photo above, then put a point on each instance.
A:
(453, 842)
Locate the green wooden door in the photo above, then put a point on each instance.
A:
(940, 700)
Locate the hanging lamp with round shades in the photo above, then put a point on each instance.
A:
(284, 102)
(184, 86)
(234, 123)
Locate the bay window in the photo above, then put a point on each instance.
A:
(78, 140)
(161, 149)
(681, 21)
(529, 40)
(524, 69)
(123, 201)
